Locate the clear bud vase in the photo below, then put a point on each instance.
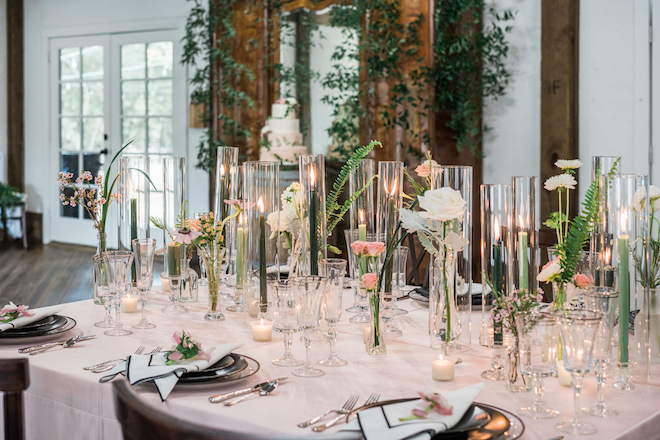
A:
(515, 381)
(101, 246)
(213, 254)
(376, 343)
(443, 316)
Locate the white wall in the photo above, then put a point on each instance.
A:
(3, 91)
(49, 18)
(512, 146)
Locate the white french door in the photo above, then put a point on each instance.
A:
(107, 90)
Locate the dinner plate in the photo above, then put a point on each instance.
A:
(230, 364)
(251, 368)
(503, 425)
(60, 325)
(40, 327)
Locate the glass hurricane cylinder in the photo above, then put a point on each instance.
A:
(213, 255)
(236, 243)
(361, 212)
(525, 232)
(601, 165)
(174, 197)
(444, 326)
(314, 237)
(390, 189)
(460, 178)
(262, 197)
(495, 201)
(226, 163)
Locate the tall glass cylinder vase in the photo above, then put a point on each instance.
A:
(135, 188)
(600, 260)
(236, 243)
(444, 326)
(314, 237)
(525, 232)
(601, 165)
(174, 197)
(495, 201)
(226, 163)
(624, 226)
(262, 198)
(101, 246)
(460, 178)
(213, 254)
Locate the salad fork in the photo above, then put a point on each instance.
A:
(139, 350)
(348, 406)
(372, 399)
(108, 367)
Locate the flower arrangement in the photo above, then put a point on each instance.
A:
(289, 225)
(367, 253)
(186, 349)
(639, 201)
(505, 308)
(436, 403)
(11, 311)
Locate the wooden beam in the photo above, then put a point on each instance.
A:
(559, 92)
(15, 96)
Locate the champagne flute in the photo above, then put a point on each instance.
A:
(118, 269)
(286, 318)
(311, 290)
(333, 269)
(144, 249)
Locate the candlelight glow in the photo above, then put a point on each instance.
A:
(608, 256)
(312, 177)
(222, 169)
(260, 205)
(624, 221)
(521, 222)
(496, 228)
(393, 189)
(361, 215)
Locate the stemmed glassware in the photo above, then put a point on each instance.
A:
(118, 270)
(286, 318)
(361, 306)
(538, 335)
(144, 250)
(603, 300)
(578, 333)
(400, 257)
(101, 286)
(333, 269)
(311, 290)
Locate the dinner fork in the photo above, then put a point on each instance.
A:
(348, 406)
(109, 367)
(139, 350)
(372, 399)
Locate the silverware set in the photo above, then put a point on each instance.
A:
(42, 348)
(263, 389)
(109, 365)
(342, 413)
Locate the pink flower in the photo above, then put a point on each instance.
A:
(359, 247)
(374, 248)
(442, 405)
(174, 356)
(177, 337)
(581, 280)
(185, 237)
(232, 202)
(424, 170)
(370, 280)
(195, 224)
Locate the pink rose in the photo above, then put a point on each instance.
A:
(374, 248)
(175, 356)
(581, 280)
(424, 170)
(359, 247)
(370, 280)
(232, 202)
(177, 337)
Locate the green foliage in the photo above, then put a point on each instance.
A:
(555, 219)
(9, 196)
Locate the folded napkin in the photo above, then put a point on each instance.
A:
(152, 367)
(38, 314)
(382, 422)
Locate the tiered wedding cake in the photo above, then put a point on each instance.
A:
(281, 136)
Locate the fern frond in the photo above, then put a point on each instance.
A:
(336, 217)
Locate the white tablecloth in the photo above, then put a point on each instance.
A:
(65, 402)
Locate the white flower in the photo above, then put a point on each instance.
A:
(550, 271)
(565, 164)
(640, 196)
(279, 222)
(456, 242)
(442, 204)
(560, 181)
(412, 221)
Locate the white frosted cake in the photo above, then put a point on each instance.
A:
(281, 136)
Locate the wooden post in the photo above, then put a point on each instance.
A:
(15, 97)
(559, 92)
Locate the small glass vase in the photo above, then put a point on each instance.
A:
(213, 255)
(376, 344)
(443, 315)
(101, 246)
(515, 381)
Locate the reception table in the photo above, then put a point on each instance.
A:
(66, 402)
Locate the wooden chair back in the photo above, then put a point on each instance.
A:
(142, 421)
(14, 379)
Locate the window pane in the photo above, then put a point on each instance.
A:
(93, 134)
(92, 98)
(69, 163)
(92, 58)
(134, 129)
(70, 134)
(68, 211)
(160, 97)
(132, 98)
(70, 99)
(70, 63)
(92, 163)
(132, 61)
(156, 172)
(160, 135)
(159, 59)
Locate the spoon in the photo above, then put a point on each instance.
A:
(262, 392)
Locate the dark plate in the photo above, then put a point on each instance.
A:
(226, 363)
(252, 366)
(42, 322)
(62, 324)
(239, 363)
(36, 328)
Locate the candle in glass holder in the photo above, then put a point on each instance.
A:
(262, 331)
(241, 239)
(174, 255)
(263, 292)
(563, 375)
(522, 257)
(442, 369)
(313, 239)
(362, 227)
(624, 292)
(129, 303)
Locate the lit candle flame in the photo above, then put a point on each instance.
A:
(222, 169)
(608, 256)
(361, 215)
(262, 321)
(260, 204)
(393, 188)
(624, 221)
(312, 177)
(496, 228)
(521, 222)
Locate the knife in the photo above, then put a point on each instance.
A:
(254, 389)
(53, 344)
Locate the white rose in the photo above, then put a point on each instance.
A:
(640, 196)
(442, 204)
(550, 271)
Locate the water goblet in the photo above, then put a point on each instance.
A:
(311, 290)
(538, 336)
(604, 300)
(101, 286)
(578, 331)
(144, 250)
(118, 269)
(333, 269)
(286, 311)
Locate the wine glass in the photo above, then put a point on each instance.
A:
(538, 336)
(176, 258)
(144, 250)
(118, 270)
(578, 332)
(604, 300)
(286, 311)
(101, 286)
(311, 290)
(333, 269)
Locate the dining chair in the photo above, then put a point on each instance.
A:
(143, 421)
(14, 379)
